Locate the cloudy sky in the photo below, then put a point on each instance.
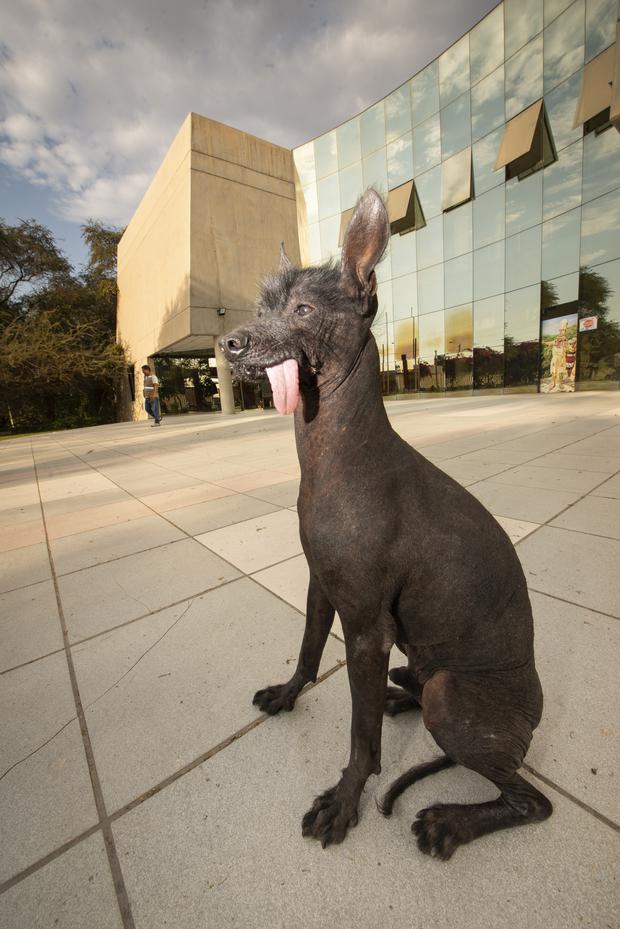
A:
(92, 93)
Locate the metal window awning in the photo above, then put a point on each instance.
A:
(456, 180)
(404, 210)
(519, 135)
(596, 91)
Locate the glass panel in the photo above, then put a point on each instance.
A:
(489, 218)
(601, 163)
(328, 191)
(314, 243)
(426, 145)
(457, 231)
(304, 164)
(564, 40)
(404, 352)
(456, 179)
(524, 78)
(405, 296)
(487, 104)
(486, 45)
(454, 71)
(458, 280)
(309, 203)
(399, 161)
(432, 335)
(384, 268)
(372, 128)
(489, 321)
(560, 105)
(456, 126)
(349, 145)
(459, 329)
(425, 94)
(600, 26)
(374, 171)
(562, 182)
(553, 8)
(325, 155)
(523, 258)
(429, 192)
(489, 367)
(522, 20)
(558, 291)
(484, 153)
(523, 203)
(600, 230)
(397, 113)
(430, 243)
(403, 250)
(330, 232)
(489, 270)
(521, 345)
(560, 244)
(351, 186)
(599, 344)
(430, 289)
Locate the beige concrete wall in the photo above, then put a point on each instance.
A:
(207, 230)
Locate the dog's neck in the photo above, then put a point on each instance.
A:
(339, 416)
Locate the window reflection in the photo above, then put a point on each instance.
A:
(397, 113)
(489, 270)
(521, 345)
(348, 143)
(400, 161)
(598, 358)
(403, 249)
(524, 77)
(329, 230)
(405, 356)
(560, 244)
(328, 190)
(313, 244)
(600, 230)
(601, 163)
(426, 145)
(560, 105)
(372, 128)
(600, 26)
(374, 171)
(454, 71)
(458, 280)
(304, 164)
(562, 182)
(553, 8)
(523, 258)
(564, 44)
(456, 126)
(308, 204)
(524, 202)
(425, 94)
(325, 156)
(405, 296)
(484, 153)
(431, 352)
(429, 191)
(351, 185)
(430, 289)
(456, 179)
(489, 321)
(457, 231)
(486, 45)
(489, 217)
(430, 242)
(523, 19)
(558, 291)
(459, 344)
(487, 104)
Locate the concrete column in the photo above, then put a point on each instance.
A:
(224, 378)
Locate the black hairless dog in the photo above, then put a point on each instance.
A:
(402, 552)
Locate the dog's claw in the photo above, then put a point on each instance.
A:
(273, 699)
(329, 818)
(436, 830)
(398, 700)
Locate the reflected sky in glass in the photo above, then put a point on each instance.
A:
(459, 329)
(328, 190)
(600, 26)
(484, 154)
(553, 8)
(429, 192)
(311, 203)
(562, 182)
(372, 128)
(329, 231)
(304, 164)
(325, 155)
(523, 19)
(489, 321)
(454, 71)
(524, 77)
(430, 242)
(455, 126)
(560, 105)
(351, 186)
(600, 229)
(522, 314)
(397, 113)
(457, 231)
(560, 244)
(400, 161)
(489, 222)
(426, 145)
(431, 337)
(403, 251)
(374, 171)
(601, 163)
(430, 289)
(487, 104)
(425, 94)
(458, 280)
(524, 202)
(486, 45)
(523, 258)
(559, 290)
(348, 142)
(489, 270)
(564, 45)
(405, 296)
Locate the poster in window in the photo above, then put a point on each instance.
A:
(588, 323)
(558, 354)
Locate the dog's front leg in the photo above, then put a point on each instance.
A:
(335, 810)
(319, 619)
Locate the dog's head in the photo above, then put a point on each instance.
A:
(312, 323)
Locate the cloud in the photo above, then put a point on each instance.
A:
(92, 94)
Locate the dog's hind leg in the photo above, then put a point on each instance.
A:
(407, 695)
(319, 618)
(484, 722)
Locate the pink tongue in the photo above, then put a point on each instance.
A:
(284, 380)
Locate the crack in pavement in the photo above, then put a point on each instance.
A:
(34, 751)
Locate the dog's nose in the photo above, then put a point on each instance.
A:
(235, 345)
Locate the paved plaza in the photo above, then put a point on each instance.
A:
(152, 580)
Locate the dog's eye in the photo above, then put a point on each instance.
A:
(304, 310)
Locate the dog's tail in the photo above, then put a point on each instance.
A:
(417, 773)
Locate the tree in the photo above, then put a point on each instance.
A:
(28, 256)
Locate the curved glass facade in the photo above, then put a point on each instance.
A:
(500, 165)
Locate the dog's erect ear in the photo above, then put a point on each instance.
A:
(285, 262)
(367, 236)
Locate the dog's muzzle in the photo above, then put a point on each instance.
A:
(235, 345)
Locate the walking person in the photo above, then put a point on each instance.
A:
(151, 395)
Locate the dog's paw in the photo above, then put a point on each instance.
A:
(398, 700)
(329, 818)
(437, 830)
(273, 699)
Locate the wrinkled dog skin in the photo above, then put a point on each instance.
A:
(402, 552)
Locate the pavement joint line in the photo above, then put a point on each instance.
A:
(581, 606)
(156, 788)
(569, 796)
(112, 854)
